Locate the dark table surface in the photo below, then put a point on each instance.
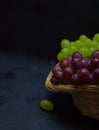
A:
(22, 86)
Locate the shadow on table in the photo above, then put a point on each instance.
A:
(67, 113)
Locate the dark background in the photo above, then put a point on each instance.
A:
(37, 26)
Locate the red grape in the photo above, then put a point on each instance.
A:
(77, 70)
(95, 54)
(96, 73)
(68, 71)
(83, 73)
(75, 79)
(69, 58)
(64, 63)
(55, 69)
(76, 62)
(85, 64)
(91, 79)
(54, 80)
(59, 76)
(77, 55)
(95, 62)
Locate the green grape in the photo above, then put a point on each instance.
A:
(84, 51)
(46, 105)
(83, 44)
(90, 51)
(97, 47)
(88, 43)
(83, 38)
(94, 45)
(65, 52)
(72, 44)
(78, 44)
(64, 43)
(96, 37)
(59, 56)
(72, 49)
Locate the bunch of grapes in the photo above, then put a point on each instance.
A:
(76, 69)
(84, 45)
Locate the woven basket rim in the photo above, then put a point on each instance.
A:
(69, 88)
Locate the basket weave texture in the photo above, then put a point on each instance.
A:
(85, 97)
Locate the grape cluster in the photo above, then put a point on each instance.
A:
(76, 69)
(84, 45)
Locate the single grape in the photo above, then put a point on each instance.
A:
(76, 63)
(59, 56)
(95, 54)
(46, 105)
(85, 64)
(77, 55)
(83, 44)
(91, 79)
(59, 75)
(75, 79)
(78, 44)
(84, 51)
(72, 49)
(69, 58)
(97, 47)
(94, 62)
(90, 51)
(68, 71)
(72, 44)
(65, 43)
(83, 73)
(96, 74)
(83, 38)
(65, 52)
(89, 43)
(94, 45)
(55, 69)
(54, 80)
(96, 37)
(64, 63)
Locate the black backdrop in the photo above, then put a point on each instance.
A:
(37, 26)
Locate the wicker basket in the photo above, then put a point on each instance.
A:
(85, 97)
